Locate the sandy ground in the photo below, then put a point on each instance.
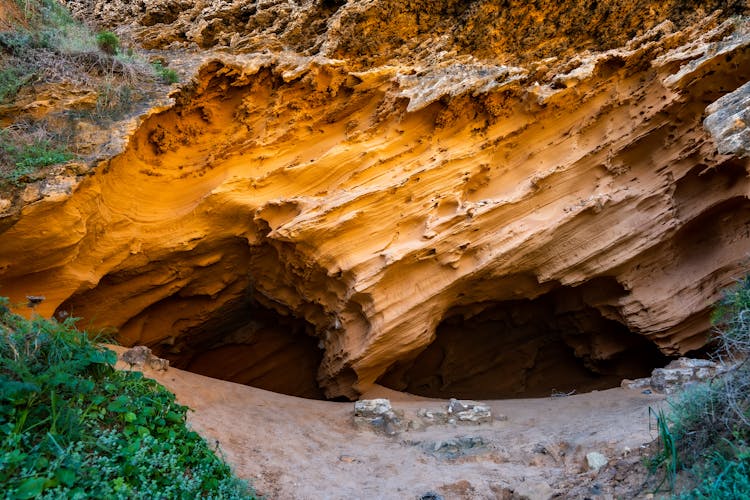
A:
(292, 448)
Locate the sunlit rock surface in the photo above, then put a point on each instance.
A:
(311, 217)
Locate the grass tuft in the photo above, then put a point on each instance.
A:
(667, 458)
(108, 42)
(166, 75)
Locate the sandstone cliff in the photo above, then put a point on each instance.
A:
(456, 209)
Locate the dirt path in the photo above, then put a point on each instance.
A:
(293, 448)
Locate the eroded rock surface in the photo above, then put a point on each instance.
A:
(384, 32)
(365, 207)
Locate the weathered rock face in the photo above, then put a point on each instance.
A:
(378, 32)
(573, 219)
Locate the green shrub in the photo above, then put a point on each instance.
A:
(724, 474)
(108, 42)
(710, 422)
(165, 74)
(73, 427)
(11, 80)
(17, 42)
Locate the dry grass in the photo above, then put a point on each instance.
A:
(52, 50)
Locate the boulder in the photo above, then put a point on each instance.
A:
(470, 412)
(596, 460)
(378, 415)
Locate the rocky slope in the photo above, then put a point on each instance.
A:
(336, 200)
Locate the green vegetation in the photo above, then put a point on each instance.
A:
(167, 75)
(709, 427)
(53, 47)
(71, 426)
(22, 155)
(47, 48)
(108, 42)
(49, 26)
(667, 459)
(12, 79)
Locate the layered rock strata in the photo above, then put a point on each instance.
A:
(573, 208)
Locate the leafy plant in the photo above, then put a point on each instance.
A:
(41, 154)
(73, 427)
(725, 474)
(108, 42)
(166, 75)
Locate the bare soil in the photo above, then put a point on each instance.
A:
(293, 448)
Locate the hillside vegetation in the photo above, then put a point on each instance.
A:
(61, 87)
(71, 426)
(705, 438)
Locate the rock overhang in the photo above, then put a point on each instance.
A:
(363, 206)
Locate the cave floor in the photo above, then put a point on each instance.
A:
(292, 448)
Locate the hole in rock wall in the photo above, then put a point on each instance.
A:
(566, 340)
(556, 343)
(207, 319)
(253, 346)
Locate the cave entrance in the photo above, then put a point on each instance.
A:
(253, 345)
(555, 344)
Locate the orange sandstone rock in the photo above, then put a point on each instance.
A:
(370, 207)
